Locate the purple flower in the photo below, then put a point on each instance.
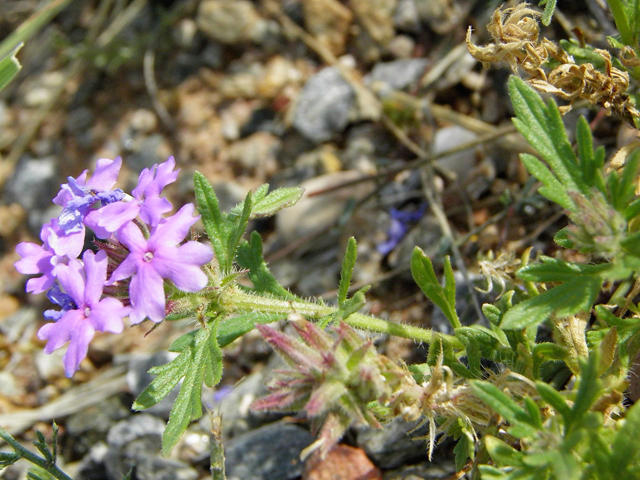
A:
(400, 224)
(57, 250)
(78, 325)
(79, 195)
(146, 202)
(159, 257)
(64, 301)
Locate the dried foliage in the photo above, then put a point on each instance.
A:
(515, 33)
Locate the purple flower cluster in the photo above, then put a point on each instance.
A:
(143, 247)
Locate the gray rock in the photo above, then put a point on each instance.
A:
(33, 184)
(450, 137)
(395, 444)
(234, 405)
(229, 22)
(145, 151)
(268, 453)
(423, 471)
(138, 379)
(91, 426)
(92, 466)
(134, 444)
(405, 18)
(322, 110)
(398, 74)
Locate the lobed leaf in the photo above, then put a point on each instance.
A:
(424, 275)
(346, 273)
(570, 298)
(624, 450)
(543, 128)
(213, 219)
(9, 67)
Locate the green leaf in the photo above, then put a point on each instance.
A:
(626, 188)
(425, 277)
(555, 270)
(622, 21)
(31, 26)
(464, 449)
(590, 162)
(346, 274)
(167, 377)
(555, 400)
(544, 129)
(235, 327)
(552, 188)
(7, 459)
(624, 451)
(502, 453)
(214, 220)
(204, 365)
(570, 298)
(239, 226)
(250, 257)
(200, 361)
(504, 405)
(588, 389)
(268, 205)
(472, 350)
(9, 67)
(549, 8)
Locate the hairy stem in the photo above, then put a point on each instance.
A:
(32, 457)
(240, 301)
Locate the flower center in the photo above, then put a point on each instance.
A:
(87, 312)
(147, 257)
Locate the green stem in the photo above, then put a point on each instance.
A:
(32, 457)
(241, 302)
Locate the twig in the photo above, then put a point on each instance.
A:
(72, 401)
(429, 159)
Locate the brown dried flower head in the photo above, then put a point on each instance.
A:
(515, 34)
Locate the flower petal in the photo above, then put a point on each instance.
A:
(147, 296)
(152, 209)
(182, 265)
(115, 215)
(172, 230)
(95, 266)
(78, 347)
(35, 259)
(106, 316)
(128, 267)
(72, 280)
(131, 237)
(59, 333)
(105, 174)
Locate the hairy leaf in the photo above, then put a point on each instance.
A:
(425, 277)
(570, 298)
